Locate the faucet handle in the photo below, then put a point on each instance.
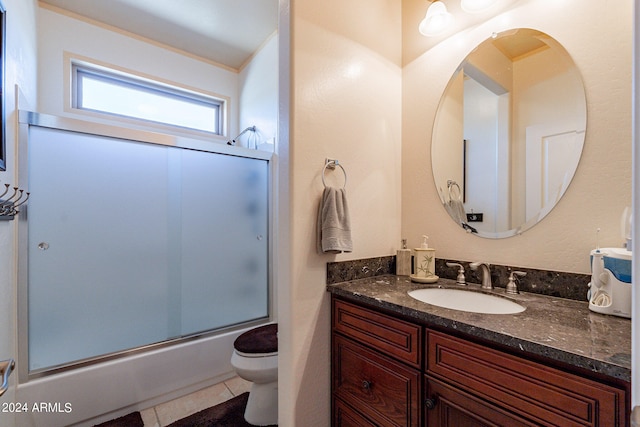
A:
(511, 287)
(460, 280)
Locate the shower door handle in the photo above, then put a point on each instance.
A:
(6, 367)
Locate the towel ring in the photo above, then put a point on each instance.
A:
(331, 164)
(451, 184)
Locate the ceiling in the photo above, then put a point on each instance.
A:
(224, 31)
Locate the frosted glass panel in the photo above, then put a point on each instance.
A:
(132, 244)
(224, 263)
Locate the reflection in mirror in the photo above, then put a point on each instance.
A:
(508, 133)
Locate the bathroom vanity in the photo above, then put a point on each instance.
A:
(397, 361)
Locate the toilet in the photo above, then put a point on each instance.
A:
(255, 359)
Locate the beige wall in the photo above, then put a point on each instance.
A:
(345, 104)
(599, 40)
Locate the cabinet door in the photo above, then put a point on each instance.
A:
(548, 395)
(385, 391)
(446, 406)
(344, 416)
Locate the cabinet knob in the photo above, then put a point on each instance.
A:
(366, 385)
(430, 403)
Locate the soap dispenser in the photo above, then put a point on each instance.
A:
(424, 263)
(403, 260)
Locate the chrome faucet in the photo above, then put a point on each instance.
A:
(486, 273)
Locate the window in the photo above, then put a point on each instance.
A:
(128, 96)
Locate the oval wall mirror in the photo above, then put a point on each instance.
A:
(508, 133)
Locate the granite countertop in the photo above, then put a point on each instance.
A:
(560, 329)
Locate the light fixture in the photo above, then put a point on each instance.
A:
(436, 20)
(476, 6)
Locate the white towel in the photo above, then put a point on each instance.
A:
(334, 226)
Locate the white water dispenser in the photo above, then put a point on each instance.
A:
(610, 286)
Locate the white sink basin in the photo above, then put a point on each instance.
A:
(474, 302)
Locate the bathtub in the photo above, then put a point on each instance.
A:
(100, 392)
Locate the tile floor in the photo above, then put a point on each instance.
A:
(164, 414)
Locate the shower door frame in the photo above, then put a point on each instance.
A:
(28, 119)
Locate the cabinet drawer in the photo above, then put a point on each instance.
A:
(397, 338)
(385, 391)
(543, 394)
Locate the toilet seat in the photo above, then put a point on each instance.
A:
(255, 355)
(258, 342)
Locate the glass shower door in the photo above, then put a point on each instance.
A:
(132, 244)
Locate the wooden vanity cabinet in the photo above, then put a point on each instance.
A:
(387, 371)
(376, 368)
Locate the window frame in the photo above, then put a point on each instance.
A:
(149, 85)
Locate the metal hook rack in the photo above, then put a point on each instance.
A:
(9, 206)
